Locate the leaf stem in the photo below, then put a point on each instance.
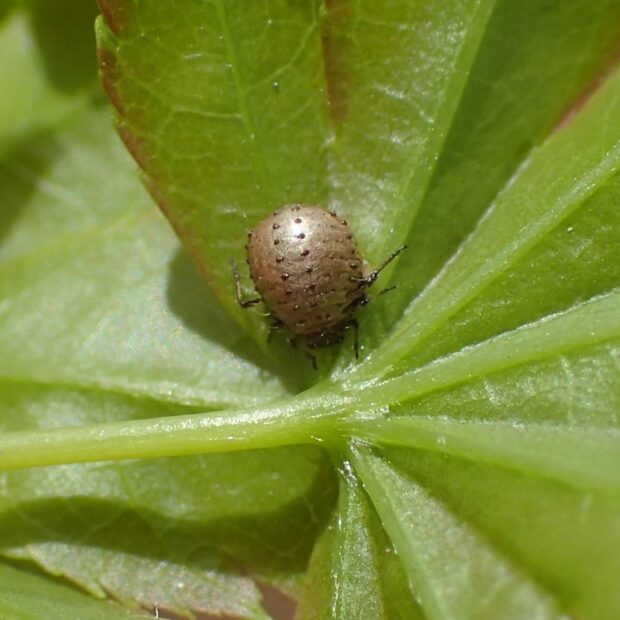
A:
(291, 422)
(303, 419)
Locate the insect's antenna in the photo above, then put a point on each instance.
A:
(389, 259)
(375, 274)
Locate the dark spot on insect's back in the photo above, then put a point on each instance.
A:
(279, 259)
(305, 253)
(296, 208)
(288, 292)
(276, 242)
(297, 220)
(309, 269)
(301, 236)
(276, 226)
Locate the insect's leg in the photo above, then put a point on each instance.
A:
(294, 342)
(244, 303)
(354, 324)
(275, 325)
(371, 277)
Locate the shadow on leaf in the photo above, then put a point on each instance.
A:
(191, 300)
(65, 35)
(243, 538)
(5, 8)
(22, 164)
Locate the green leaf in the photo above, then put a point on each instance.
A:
(78, 234)
(578, 456)
(130, 331)
(564, 539)
(534, 60)
(453, 570)
(250, 138)
(28, 596)
(354, 572)
(556, 216)
(142, 532)
(477, 442)
(484, 410)
(391, 112)
(29, 100)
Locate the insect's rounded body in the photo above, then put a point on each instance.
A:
(308, 271)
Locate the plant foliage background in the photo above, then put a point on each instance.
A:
(467, 467)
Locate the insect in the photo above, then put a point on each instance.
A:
(307, 270)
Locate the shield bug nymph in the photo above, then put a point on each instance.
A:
(308, 271)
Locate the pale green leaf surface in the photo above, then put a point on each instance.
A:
(571, 389)
(555, 415)
(30, 98)
(353, 572)
(587, 457)
(454, 571)
(99, 305)
(548, 409)
(86, 226)
(563, 538)
(592, 323)
(141, 531)
(525, 238)
(391, 112)
(222, 106)
(534, 59)
(27, 596)
(502, 376)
